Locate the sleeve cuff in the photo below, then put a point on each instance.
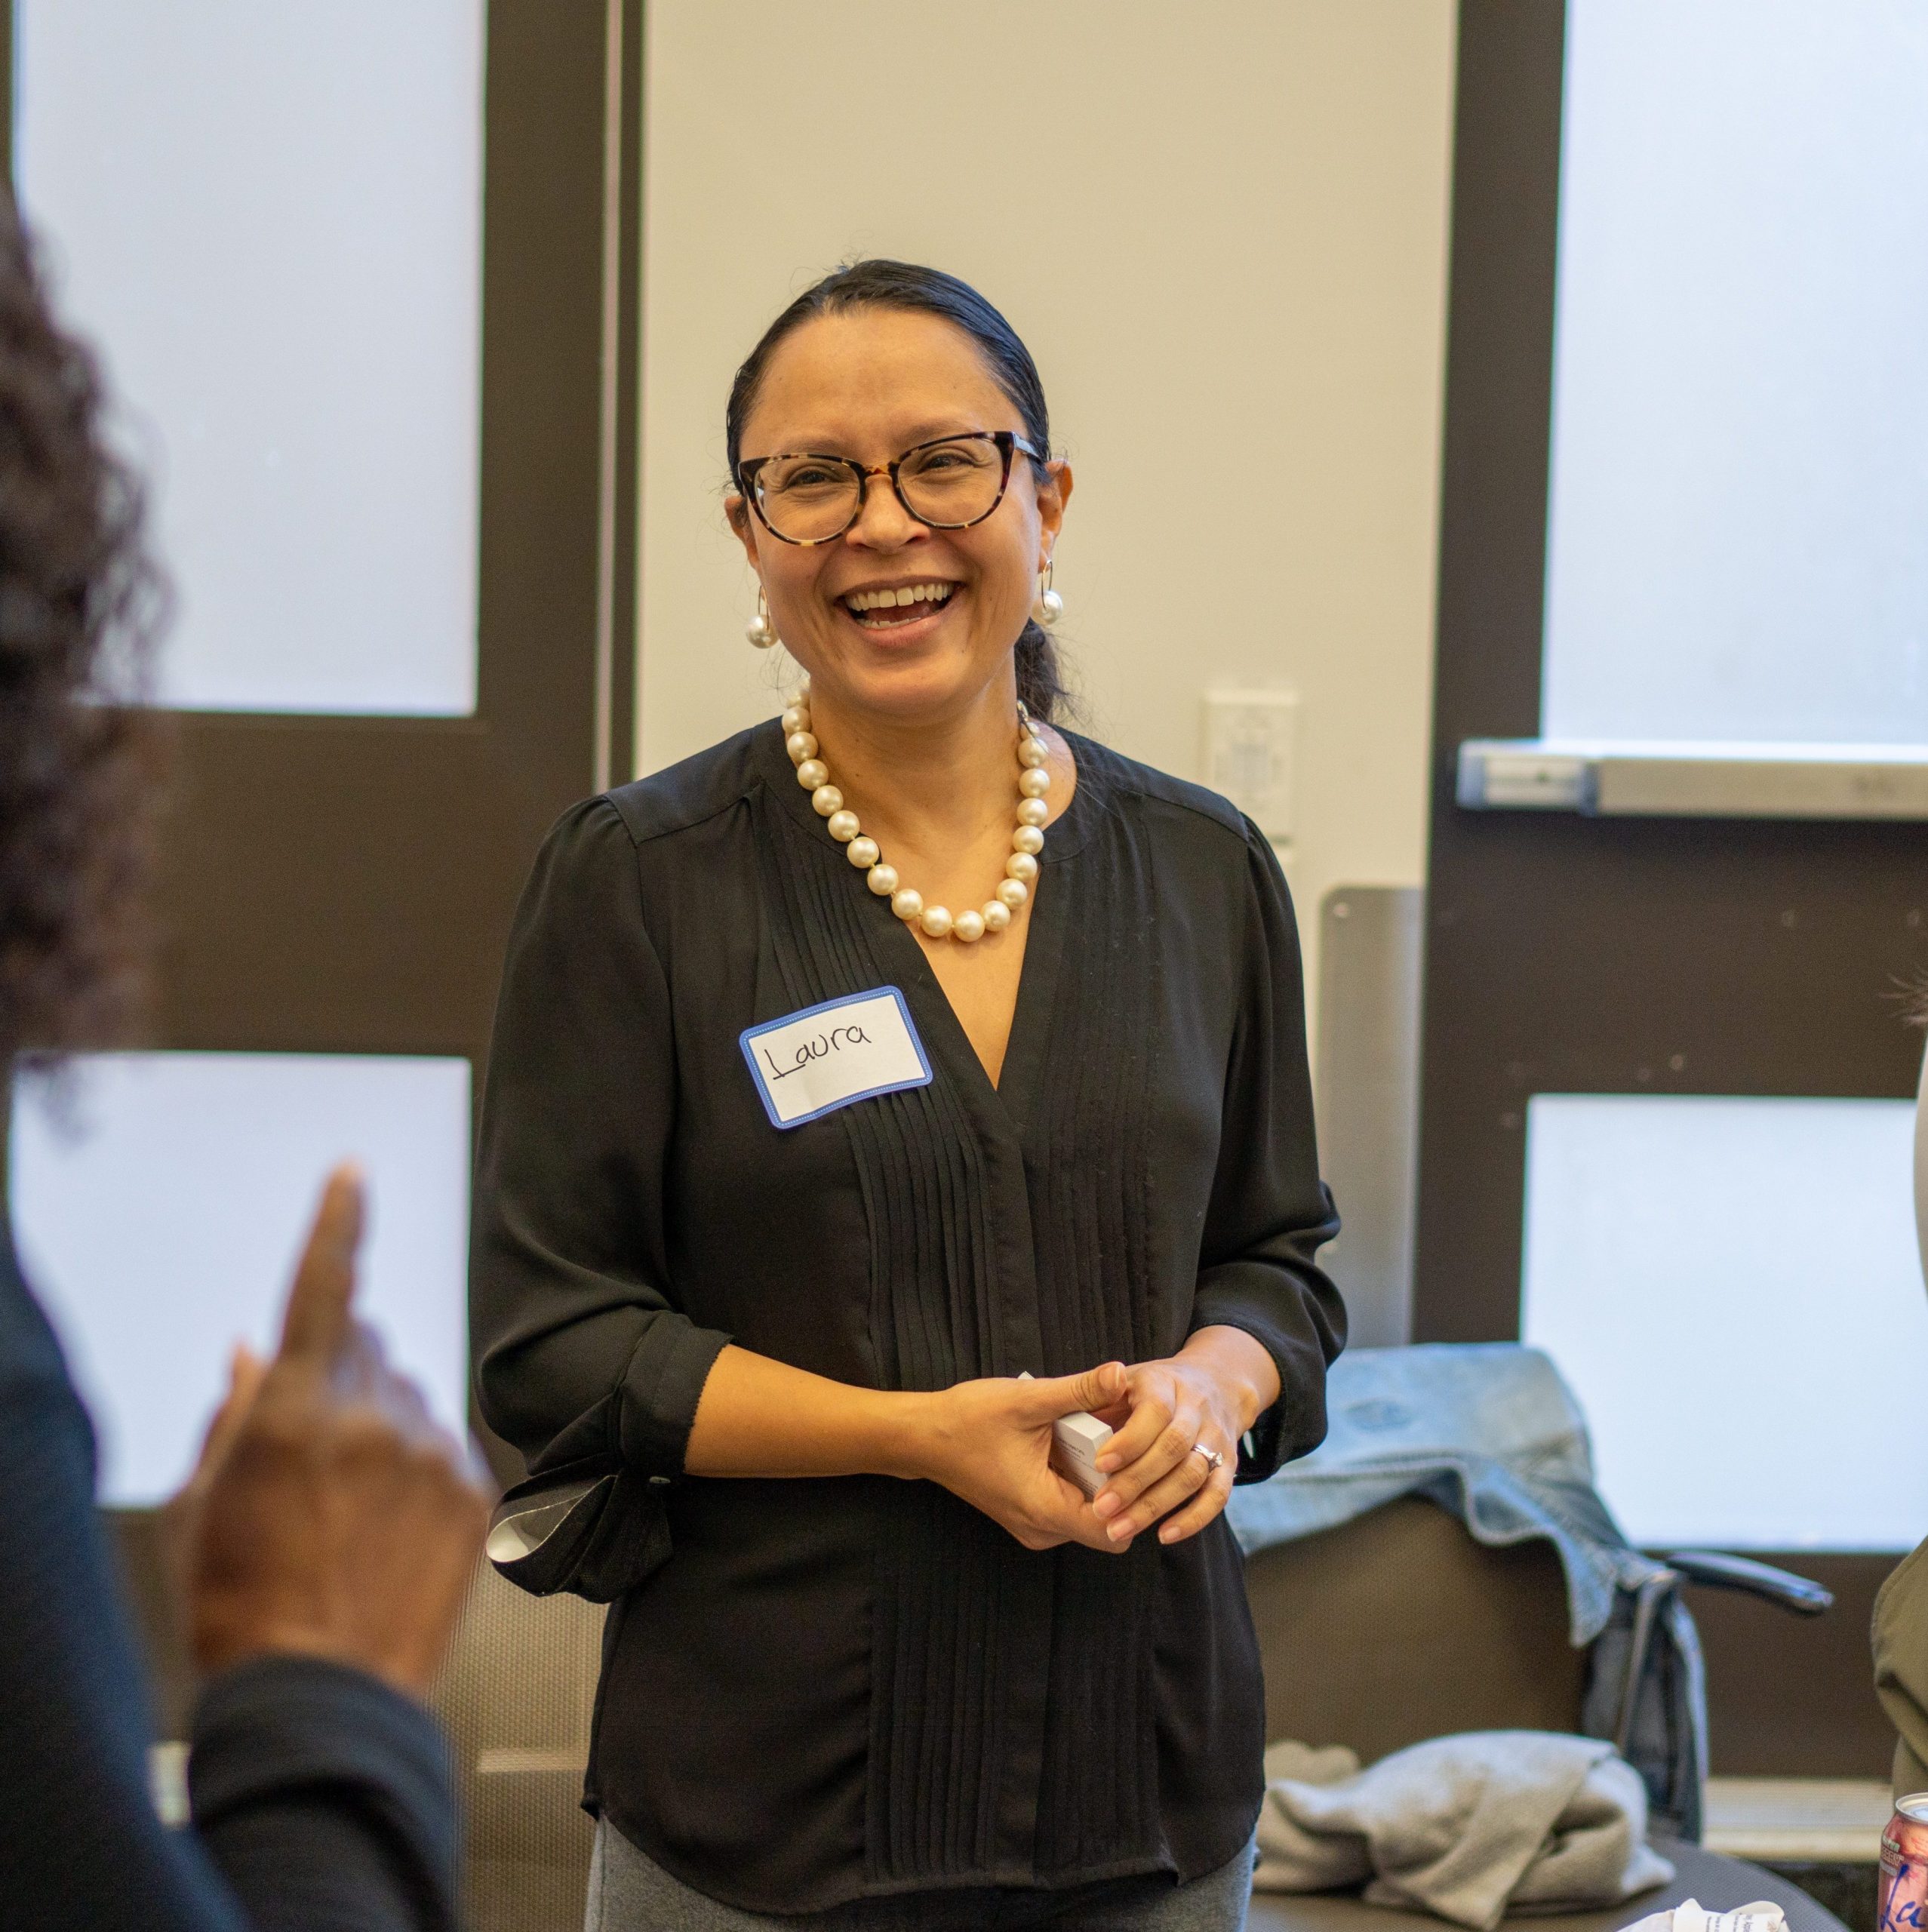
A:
(278, 1727)
(659, 1393)
(1295, 1424)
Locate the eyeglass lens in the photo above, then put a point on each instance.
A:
(809, 498)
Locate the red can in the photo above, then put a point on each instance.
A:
(1903, 1895)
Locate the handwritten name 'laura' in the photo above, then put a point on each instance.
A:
(833, 1041)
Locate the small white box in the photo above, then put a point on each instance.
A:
(1077, 1441)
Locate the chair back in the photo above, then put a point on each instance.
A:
(1399, 1627)
(516, 1696)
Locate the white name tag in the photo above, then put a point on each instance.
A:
(807, 1064)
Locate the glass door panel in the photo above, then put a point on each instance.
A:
(270, 218)
(1731, 1288)
(1737, 541)
(159, 1215)
(1736, 588)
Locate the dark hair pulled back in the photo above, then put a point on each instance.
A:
(904, 285)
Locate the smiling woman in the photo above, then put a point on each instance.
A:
(783, 1202)
(995, 361)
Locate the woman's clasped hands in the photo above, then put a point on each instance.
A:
(989, 1441)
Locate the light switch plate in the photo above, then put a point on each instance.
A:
(1252, 754)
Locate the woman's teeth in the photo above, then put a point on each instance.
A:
(878, 609)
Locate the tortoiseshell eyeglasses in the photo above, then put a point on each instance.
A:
(806, 497)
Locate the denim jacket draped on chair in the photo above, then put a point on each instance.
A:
(1490, 1432)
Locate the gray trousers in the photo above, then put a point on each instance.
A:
(630, 1892)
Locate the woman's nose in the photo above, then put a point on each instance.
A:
(883, 523)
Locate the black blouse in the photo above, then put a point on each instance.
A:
(818, 1689)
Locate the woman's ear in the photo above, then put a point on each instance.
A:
(1054, 489)
(741, 527)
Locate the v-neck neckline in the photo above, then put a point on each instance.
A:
(1012, 1095)
(1037, 982)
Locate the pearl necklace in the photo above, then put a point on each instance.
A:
(1020, 869)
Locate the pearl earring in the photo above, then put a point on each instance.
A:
(760, 630)
(1049, 607)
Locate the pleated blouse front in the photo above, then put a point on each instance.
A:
(825, 1689)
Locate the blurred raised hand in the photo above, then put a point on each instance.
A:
(329, 1515)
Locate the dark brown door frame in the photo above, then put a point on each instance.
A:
(341, 884)
(1566, 954)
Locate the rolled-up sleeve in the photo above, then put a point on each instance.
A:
(582, 1352)
(1270, 1213)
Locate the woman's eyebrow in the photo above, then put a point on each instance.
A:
(806, 443)
(950, 426)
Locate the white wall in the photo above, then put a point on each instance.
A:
(1221, 230)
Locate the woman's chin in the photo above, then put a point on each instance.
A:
(904, 680)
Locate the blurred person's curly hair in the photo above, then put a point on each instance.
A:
(80, 756)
